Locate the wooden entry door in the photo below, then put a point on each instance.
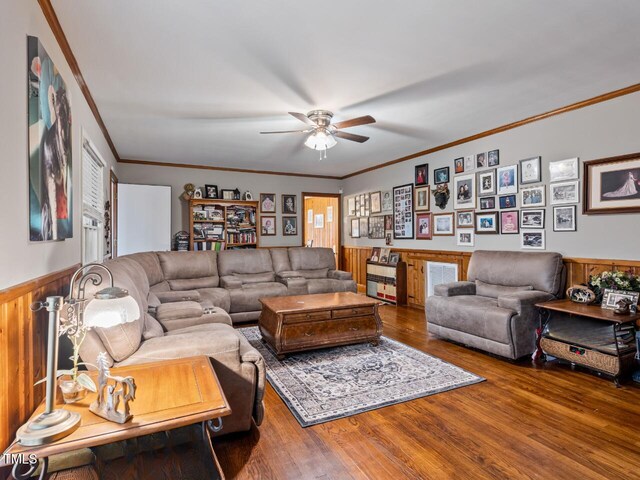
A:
(322, 218)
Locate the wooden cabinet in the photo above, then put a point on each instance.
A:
(415, 282)
(223, 224)
(387, 282)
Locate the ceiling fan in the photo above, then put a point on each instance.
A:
(323, 132)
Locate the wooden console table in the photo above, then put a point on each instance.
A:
(587, 335)
(170, 394)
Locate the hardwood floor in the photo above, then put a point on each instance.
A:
(524, 422)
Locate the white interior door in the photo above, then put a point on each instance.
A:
(144, 218)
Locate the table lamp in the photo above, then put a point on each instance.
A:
(108, 307)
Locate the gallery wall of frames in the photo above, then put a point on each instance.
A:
(530, 188)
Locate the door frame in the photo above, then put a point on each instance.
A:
(113, 201)
(339, 217)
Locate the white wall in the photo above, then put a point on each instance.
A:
(253, 182)
(602, 130)
(21, 260)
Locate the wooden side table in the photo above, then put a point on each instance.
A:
(170, 394)
(587, 335)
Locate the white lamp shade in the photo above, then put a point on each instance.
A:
(105, 313)
(320, 140)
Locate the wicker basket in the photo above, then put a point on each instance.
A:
(602, 362)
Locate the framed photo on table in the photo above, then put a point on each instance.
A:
(464, 191)
(610, 298)
(612, 185)
(530, 170)
(403, 211)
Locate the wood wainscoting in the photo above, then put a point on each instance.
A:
(355, 261)
(23, 347)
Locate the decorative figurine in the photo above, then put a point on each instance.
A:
(623, 307)
(123, 389)
(441, 194)
(581, 294)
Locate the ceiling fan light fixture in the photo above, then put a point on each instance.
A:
(320, 140)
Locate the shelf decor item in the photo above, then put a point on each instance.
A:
(211, 191)
(612, 185)
(108, 307)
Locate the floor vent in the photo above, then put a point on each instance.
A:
(438, 273)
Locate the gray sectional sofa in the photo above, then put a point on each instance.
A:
(189, 302)
(494, 310)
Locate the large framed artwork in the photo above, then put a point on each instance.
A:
(612, 185)
(403, 211)
(49, 122)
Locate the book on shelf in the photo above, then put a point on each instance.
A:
(208, 245)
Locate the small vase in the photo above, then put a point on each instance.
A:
(72, 391)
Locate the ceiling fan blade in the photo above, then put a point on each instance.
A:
(354, 122)
(351, 136)
(291, 131)
(302, 117)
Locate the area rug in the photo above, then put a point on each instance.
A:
(323, 385)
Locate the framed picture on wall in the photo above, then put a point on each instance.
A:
(422, 174)
(493, 158)
(563, 170)
(458, 165)
(355, 228)
(464, 191)
(376, 202)
(487, 182)
(423, 226)
(533, 218)
(465, 238)
(364, 226)
(387, 201)
(376, 227)
(508, 201)
(469, 163)
(565, 192)
(532, 239)
(267, 225)
(507, 178)
(564, 218)
(464, 219)
(441, 175)
(530, 170)
(267, 202)
(443, 224)
(422, 200)
(289, 204)
(289, 226)
(351, 206)
(482, 160)
(403, 211)
(318, 220)
(486, 222)
(509, 222)
(487, 203)
(532, 196)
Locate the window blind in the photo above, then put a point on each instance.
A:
(92, 182)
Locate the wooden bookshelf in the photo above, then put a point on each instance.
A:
(216, 224)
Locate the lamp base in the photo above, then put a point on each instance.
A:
(48, 427)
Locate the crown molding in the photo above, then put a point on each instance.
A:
(56, 28)
(558, 111)
(225, 169)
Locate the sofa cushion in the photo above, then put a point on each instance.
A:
(178, 296)
(303, 258)
(475, 315)
(219, 297)
(542, 270)
(150, 264)
(231, 262)
(246, 299)
(494, 291)
(190, 270)
(255, 277)
(327, 285)
(178, 310)
(152, 328)
(214, 339)
(280, 259)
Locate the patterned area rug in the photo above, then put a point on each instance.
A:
(323, 385)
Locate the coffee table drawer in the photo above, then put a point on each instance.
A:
(306, 317)
(328, 332)
(352, 312)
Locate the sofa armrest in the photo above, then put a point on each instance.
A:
(454, 289)
(230, 282)
(523, 302)
(178, 296)
(171, 315)
(289, 274)
(296, 285)
(339, 275)
(249, 354)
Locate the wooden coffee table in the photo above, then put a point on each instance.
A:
(306, 322)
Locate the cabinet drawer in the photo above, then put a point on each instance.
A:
(306, 317)
(321, 333)
(352, 312)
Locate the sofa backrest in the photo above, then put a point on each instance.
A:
(150, 263)
(190, 270)
(280, 260)
(249, 265)
(312, 262)
(542, 271)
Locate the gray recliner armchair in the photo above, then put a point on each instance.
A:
(494, 310)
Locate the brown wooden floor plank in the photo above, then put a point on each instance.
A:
(523, 422)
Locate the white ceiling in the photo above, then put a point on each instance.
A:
(194, 81)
